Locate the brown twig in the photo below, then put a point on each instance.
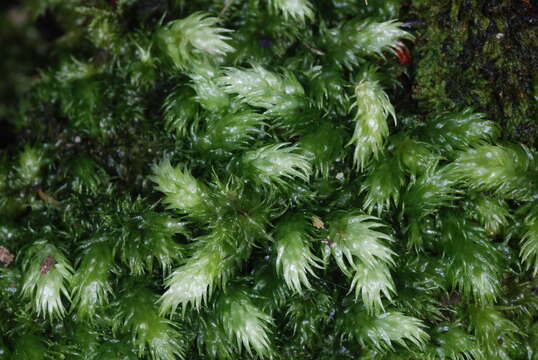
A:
(314, 50)
(227, 5)
(47, 198)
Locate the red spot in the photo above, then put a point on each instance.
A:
(404, 56)
(47, 265)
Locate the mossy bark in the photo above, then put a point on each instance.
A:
(484, 54)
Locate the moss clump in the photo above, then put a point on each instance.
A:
(248, 180)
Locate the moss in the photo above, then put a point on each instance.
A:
(188, 185)
(483, 54)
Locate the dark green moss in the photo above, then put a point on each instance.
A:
(483, 54)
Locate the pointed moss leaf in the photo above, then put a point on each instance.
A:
(355, 240)
(327, 88)
(347, 43)
(371, 129)
(182, 191)
(245, 323)
(104, 29)
(529, 246)
(193, 282)
(143, 69)
(260, 87)
(382, 185)
(459, 130)
(295, 261)
(371, 283)
(233, 131)
(493, 213)
(282, 96)
(308, 314)
(430, 192)
(424, 197)
(87, 175)
(454, 343)
(490, 326)
(298, 10)
(384, 330)
(241, 217)
(375, 37)
(271, 287)
(180, 110)
(29, 164)
(150, 333)
(323, 145)
(76, 70)
(91, 286)
(194, 37)
(415, 156)
(209, 94)
(275, 164)
(47, 273)
(213, 342)
(147, 237)
(508, 171)
(476, 277)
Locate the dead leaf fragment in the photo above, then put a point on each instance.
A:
(47, 264)
(5, 256)
(317, 222)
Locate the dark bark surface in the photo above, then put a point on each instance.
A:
(480, 53)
